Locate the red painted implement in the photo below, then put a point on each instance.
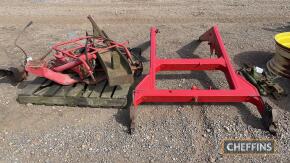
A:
(76, 56)
(240, 90)
(89, 59)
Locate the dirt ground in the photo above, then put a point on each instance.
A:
(165, 133)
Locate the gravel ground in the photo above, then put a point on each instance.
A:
(165, 133)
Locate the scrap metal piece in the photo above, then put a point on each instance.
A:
(75, 61)
(18, 46)
(264, 82)
(19, 73)
(97, 32)
(240, 90)
(116, 65)
(116, 74)
(16, 73)
(270, 119)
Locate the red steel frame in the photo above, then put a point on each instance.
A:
(240, 90)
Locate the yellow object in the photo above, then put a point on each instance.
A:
(283, 39)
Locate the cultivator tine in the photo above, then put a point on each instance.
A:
(96, 30)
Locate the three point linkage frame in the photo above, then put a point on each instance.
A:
(240, 90)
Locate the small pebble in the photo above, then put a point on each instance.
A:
(211, 159)
(227, 128)
(29, 104)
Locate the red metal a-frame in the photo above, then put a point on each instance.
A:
(240, 90)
